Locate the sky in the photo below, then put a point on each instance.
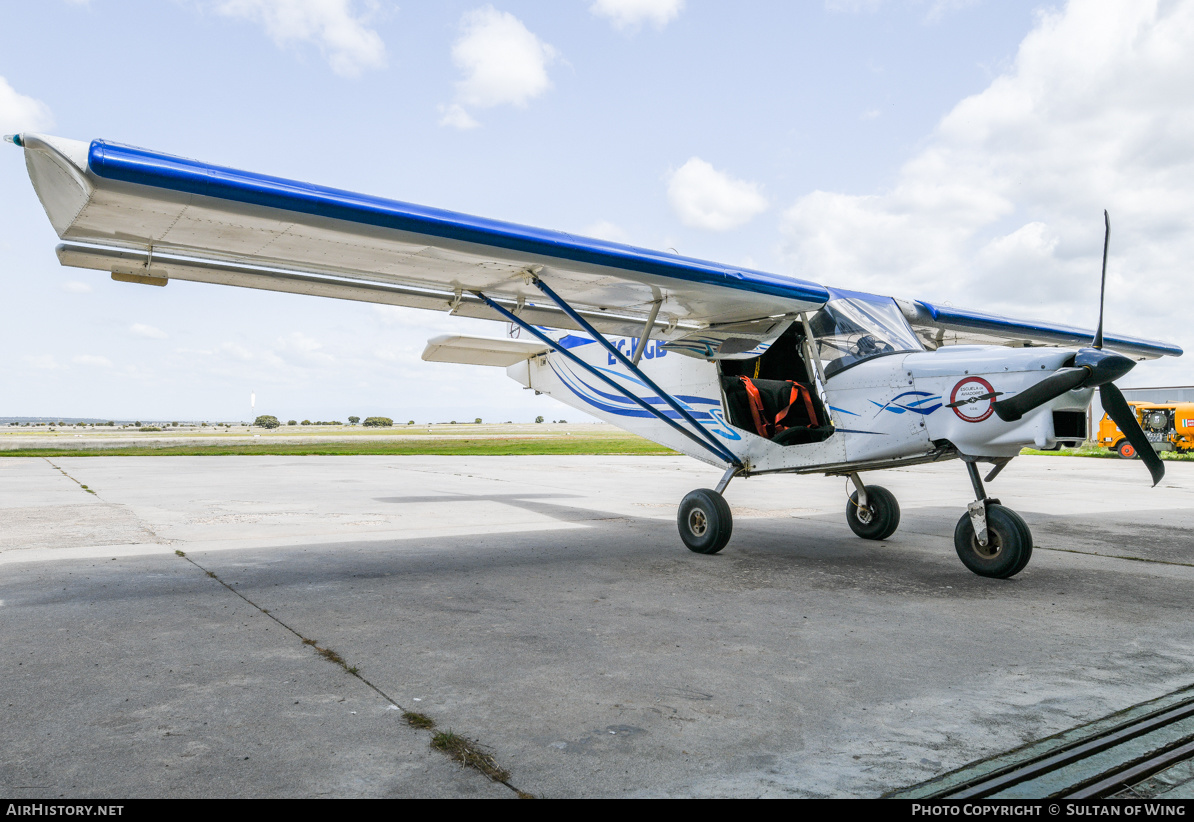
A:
(955, 151)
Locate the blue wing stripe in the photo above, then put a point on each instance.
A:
(1062, 334)
(141, 166)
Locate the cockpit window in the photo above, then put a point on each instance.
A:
(851, 329)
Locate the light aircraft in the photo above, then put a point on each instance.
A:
(752, 372)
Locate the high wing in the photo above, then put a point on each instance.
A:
(939, 325)
(149, 217)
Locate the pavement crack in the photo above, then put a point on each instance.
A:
(69, 477)
(1118, 556)
(468, 752)
(145, 526)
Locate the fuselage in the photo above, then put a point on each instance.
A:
(888, 408)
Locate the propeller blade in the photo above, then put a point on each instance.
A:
(1098, 338)
(1051, 387)
(1122, 414)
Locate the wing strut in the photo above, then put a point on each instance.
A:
(716, 448)
(633, 367)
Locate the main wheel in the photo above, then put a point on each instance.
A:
(705, 521)
(879, 519)
(1026, 536)
(1008, 548)
(1127, 450)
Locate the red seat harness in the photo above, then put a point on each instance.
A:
(769, 429)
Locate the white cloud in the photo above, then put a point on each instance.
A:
(45, 362)
(605, 230)
(631, 14)
(343, 36)
(92, 361)
(1002, 208)
(940, 8)
(20, 113)
(853, 6)
(937, 8)
(704, 197)
(76, 287)
(147, 331)
(302, 350)
(455, 116)
(236, 351)
(503, 63)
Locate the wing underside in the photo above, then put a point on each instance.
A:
(142, 214)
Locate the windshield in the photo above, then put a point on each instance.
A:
(849, 330)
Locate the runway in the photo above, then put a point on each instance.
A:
(546, 608)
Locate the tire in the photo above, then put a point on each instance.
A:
(880, 518)
(1127, 450)
(1009, 544)
(705, 521)
(1026, 536)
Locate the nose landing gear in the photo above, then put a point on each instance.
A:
(991, 540)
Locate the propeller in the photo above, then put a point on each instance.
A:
(1122, 414)
(1091, 368)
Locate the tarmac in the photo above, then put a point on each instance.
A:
(545, 608)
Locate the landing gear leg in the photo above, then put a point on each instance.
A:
(872, 511)
(991, 540)
(704, 518)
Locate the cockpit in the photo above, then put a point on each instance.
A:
(777, 396)
(852, 328)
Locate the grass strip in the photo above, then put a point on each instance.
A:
(1104, 453)
(480, 446)
(469, 754)
(417, 720)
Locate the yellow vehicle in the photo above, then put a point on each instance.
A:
(1169, 426)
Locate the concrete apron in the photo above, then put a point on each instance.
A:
(545, 607)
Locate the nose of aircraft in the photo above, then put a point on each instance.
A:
(1105, 366)
(1093, 367)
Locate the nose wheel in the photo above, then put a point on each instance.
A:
(1008, 545)
(991, 540)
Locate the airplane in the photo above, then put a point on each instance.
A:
(755, 373)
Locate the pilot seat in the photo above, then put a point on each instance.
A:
(774, 396)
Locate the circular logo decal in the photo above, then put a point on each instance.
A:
(973, 399)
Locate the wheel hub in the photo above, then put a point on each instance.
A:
(698, 523)
(992, 549)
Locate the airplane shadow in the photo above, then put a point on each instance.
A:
(533, 503)
(784, 552)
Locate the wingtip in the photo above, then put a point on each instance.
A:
(15, 139)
